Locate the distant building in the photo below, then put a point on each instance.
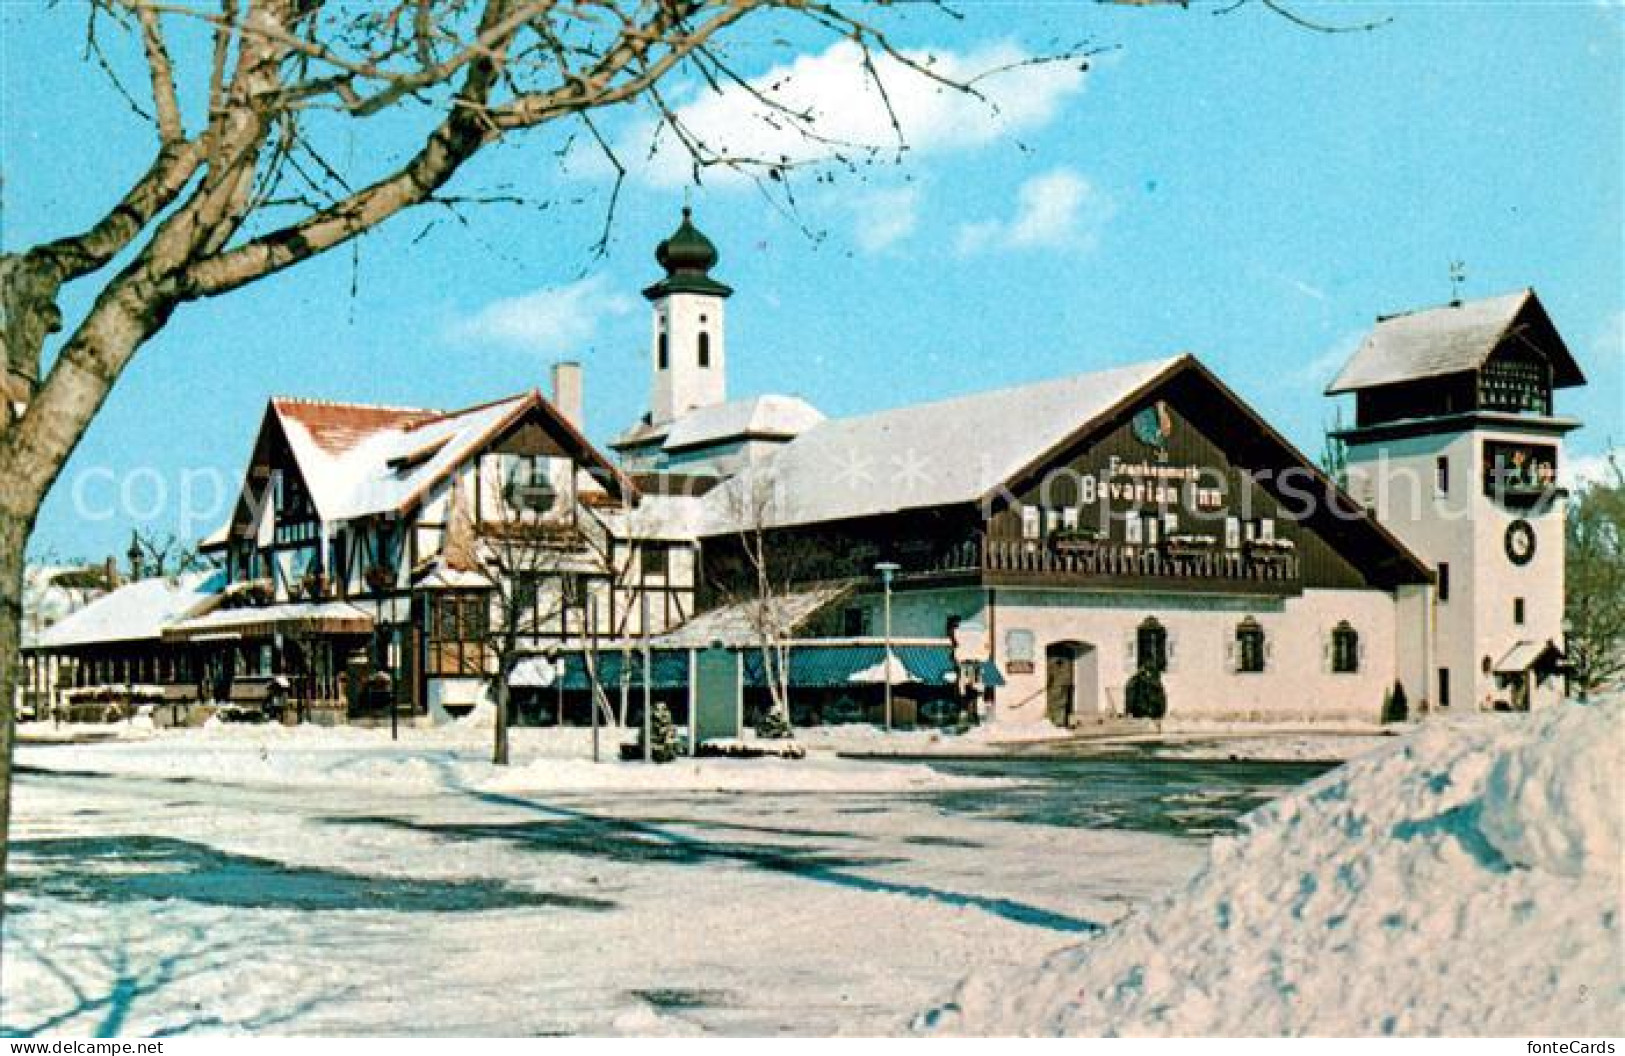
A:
(1020, 553)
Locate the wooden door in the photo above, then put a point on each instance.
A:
(1061, 678)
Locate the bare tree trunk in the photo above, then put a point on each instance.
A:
(499, 752)
(13, 544)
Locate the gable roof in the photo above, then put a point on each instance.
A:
(136, 612)
(759, 417)
(965, 451)
(1454, 339)
(358, 460)
(943, 453)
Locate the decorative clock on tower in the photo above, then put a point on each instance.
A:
(1520, 542)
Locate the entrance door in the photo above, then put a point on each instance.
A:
(1071, 674)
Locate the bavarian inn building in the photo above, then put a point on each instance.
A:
(1013, 556)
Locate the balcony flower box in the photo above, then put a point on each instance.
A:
(380, 577)
(1075, 541)
(1270, 553)
(313, 586)
(1189, 545)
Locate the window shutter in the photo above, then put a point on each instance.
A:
(1232, 657)
(1173, 652)
(1328, 651)
(1130, 652)
(1269, 652)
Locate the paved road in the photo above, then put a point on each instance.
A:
(173, 905)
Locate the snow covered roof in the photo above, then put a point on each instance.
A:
(137, 612)
(1453, 339)
(930, 454)
(359, 460)
(1525, 655)
(329, 615)
(373, 460)
(676, 518)
(737, 624)
(760, 417)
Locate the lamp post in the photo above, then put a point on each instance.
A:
(887, 570)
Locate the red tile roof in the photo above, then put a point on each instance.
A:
(338, 427)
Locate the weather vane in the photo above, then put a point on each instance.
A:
(1458, 275)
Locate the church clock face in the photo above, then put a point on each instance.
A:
(1520, 542)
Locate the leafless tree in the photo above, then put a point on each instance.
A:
(769, 573)
(248, 189)
(163, 555)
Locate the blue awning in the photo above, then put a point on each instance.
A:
(833, 666)
(811, 667)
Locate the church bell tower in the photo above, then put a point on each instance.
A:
(688, 350)
(1456, 448)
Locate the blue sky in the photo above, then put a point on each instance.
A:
(1228, 185)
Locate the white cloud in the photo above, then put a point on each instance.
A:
(549, 321)
(848, 112)
(882, 218)
(1055, 209)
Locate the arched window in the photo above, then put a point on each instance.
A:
(1151, 645)
(661, 354)
(705, 349)
(1345, 649)
(1249, 646)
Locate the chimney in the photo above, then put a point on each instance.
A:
(567, 391)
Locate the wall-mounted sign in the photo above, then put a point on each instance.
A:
(1149, 484)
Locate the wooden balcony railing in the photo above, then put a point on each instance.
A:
(1120, 561)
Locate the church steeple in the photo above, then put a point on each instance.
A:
(688, 257)
(687, 352)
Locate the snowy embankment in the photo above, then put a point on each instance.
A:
(1466, 881)
(455, 755)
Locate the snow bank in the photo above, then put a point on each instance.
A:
(455, 756)
(1465, 881)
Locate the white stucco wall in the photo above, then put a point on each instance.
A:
(684, 384)
(1201, 680)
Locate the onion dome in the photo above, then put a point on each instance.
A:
(688, 257)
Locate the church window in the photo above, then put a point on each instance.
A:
(1249, 646)
(1151, 645)
(1345, 649)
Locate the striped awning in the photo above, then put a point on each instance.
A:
(669, 669)
(834, 666)
(329, 617)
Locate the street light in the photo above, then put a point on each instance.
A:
(887, 570)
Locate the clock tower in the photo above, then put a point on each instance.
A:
(1456, 448)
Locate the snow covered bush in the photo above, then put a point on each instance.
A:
(1144, 696)
(662, 735)
(773, 726)
(1395, 707)
(1465, 881)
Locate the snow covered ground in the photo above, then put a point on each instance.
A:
(1464, 881)
(455, 755)
(326, 881)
